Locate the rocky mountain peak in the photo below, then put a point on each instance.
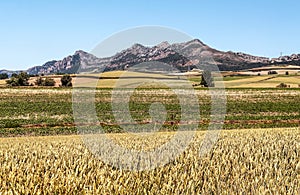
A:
(195, 41)
(137, 46)
(80, 52)
(178, 55)
(135, 50)
(163, 45)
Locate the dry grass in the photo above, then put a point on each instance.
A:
(263, 82)
(244, 81)
(242, 162)
(288, 80)
(2, 82)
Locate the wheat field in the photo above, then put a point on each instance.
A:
(262, 161)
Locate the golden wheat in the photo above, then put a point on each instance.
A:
(242, 162)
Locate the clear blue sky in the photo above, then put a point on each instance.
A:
(33, 32)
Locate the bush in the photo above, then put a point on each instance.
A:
(66, 81)
(19, 80)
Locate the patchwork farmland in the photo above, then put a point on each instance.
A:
(256, 152)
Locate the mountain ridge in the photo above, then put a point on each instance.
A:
(180, 55)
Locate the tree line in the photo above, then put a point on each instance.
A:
(22, 79)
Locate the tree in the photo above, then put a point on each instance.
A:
(23, 78)
(206, 79)
(3, 76)
(66, 81)
(45, 82)
(19, 80)
(14, 75)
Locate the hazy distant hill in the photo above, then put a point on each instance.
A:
(180, 55)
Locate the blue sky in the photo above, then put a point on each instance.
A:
(33, 32)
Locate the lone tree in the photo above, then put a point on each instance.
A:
(206, 79)
(66, 81)
(19, 80)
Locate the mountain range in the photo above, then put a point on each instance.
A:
(182, 56)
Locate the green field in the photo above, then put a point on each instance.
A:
(29, 111)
